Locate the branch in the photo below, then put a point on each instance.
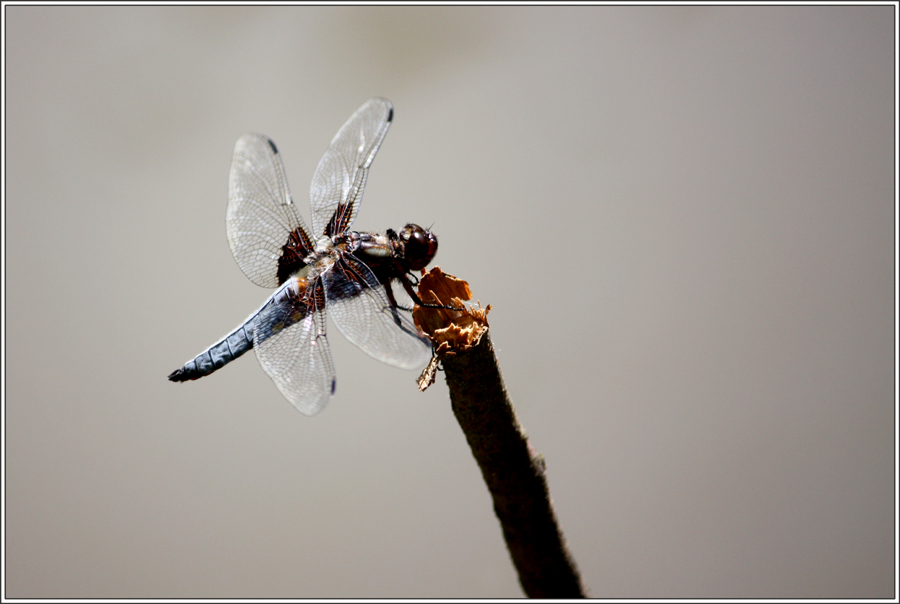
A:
(513, 471)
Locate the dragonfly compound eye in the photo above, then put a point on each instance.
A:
(420, 246)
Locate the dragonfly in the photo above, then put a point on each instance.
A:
(352, 276)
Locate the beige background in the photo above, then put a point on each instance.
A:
(683, 217)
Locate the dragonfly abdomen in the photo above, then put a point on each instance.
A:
(241, 339)
(216, 356)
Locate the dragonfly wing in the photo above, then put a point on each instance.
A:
(291, 346)
(340, 178)
(363, 311)
(261, 215)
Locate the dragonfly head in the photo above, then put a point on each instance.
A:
(418, 246)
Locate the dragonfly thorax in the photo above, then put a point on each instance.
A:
(324, 244)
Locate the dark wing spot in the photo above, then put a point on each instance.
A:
(293, 254)
(337, 224)
(333, 384)
(390, 114)
(272, 144)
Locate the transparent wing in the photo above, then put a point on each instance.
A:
(291, 346)
(340, 178)
(261, 214)
(360, 307)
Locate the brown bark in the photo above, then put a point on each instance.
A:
(513, 472)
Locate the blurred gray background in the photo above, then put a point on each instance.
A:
(682, 216)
